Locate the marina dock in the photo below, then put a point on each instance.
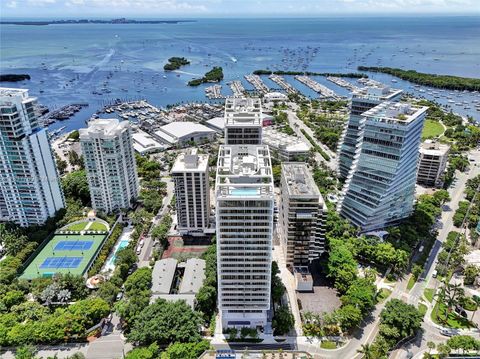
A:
(214, 92)
(257, 82)
(322, 90)
(237, 88)
(342, 83)
(280, 81)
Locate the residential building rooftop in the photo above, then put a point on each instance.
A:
(193, 276)
(162, 275)
(243, 112)
(377, 92)
(434, 148)
(190, 161)
(277, 139)
(299, 179)
(104, 128)
(395, 112)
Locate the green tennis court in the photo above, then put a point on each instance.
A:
(64, 253)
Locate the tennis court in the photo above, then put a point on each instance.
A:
(73, 246)
(64, 253)
(61, 262)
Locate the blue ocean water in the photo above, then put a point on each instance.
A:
(69, 62)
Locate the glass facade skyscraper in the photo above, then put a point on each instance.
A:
(362, 100)
(380, 186)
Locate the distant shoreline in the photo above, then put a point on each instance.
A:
(86, 21)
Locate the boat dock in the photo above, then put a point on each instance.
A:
(342, 83)
(369, 82)
(214, 92)
(322, 90)
(63, 113)
(237, 88)
(257, 82)
(280, 81)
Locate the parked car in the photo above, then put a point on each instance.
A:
(449, 332)
(119, 296)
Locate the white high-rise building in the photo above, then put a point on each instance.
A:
(380, 188)
(192, 192)
(243, 121)
(30, 190)
(244, 223)
(302, 212)
(107, 149)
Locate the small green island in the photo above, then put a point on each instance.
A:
(433, 80)
(214, 75)
(14, 77)
(355, 75)
(174, 63)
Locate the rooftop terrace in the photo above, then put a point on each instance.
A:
(299, 179)
(243, 111)
(395, 112)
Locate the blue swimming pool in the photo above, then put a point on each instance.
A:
(121, 244)
(243, 192)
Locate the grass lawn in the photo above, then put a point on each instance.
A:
(384, 293)
(428, 293)
(97, 226)
(411, 282)
(422, 308)
(328, 344)
(453, 321)
(77, 227)
(469, 304)
(432, 129)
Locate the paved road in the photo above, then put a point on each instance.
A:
(297, 125)
(111, 345)
(146, 252)
(431, 331)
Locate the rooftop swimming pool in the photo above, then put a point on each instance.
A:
(246, 191)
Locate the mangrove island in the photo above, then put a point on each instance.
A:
(174, 63)
(214, 75)
(448, 82)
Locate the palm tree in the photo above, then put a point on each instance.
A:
(431, 346)
(476, 299)
(367, 351)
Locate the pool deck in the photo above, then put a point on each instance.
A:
(125, 237)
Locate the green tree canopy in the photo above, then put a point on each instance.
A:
(166, 322)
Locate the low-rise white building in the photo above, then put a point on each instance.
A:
(182, 133)
(143, 143)
(191, 275)
(285, 147)
(275, 96)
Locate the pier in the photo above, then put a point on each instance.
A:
(342, 83)
(63, 113)
(237, 88)
(280, 81)
(257, 82)
(322, 90)
(214, 92)
(370, 83)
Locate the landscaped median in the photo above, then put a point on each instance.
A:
(315, 145)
